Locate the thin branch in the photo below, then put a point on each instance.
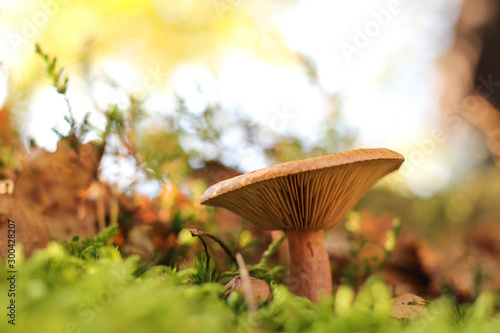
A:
(247, 290)
(199, 233)
(195, 234)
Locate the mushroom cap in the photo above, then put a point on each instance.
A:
(309, 194)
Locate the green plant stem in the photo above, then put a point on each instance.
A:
(271, 249)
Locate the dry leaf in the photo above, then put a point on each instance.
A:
(50, 183)
(30, 226)
(408, 306)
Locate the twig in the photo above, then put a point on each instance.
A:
(247, 290)
(199, 233)
(196, 234)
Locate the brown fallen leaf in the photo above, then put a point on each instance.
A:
(50, 183)
(408, 306)
(30, 226)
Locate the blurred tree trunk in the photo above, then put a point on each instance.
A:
(472, 72)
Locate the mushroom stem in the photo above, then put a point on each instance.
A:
(309, 273)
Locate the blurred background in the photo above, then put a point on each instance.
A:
(169, 97)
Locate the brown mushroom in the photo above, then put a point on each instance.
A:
(260, 290)
(304, 198)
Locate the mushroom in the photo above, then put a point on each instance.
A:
(304, 198)
(260, 290)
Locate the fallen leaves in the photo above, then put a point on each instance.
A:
(31, 227)
(50, 183)
(408, 306)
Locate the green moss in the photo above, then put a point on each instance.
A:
(61, 290)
